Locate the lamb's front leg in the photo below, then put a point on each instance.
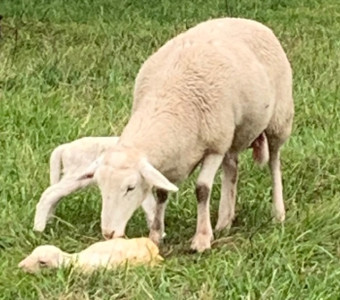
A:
(204, 233)
(157, 227)
(51, 197)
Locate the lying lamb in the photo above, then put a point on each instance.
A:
(201, 99)
(107, 254)
(75, 157)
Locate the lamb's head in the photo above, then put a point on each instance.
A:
(46, 256)
(124, 178)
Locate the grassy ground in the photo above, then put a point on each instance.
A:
(67, 70)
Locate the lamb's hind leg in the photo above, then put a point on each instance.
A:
(226, 212)
(204, 234)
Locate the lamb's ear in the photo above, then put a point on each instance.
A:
(91, 170)
(156, 178)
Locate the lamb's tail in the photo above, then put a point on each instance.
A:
(55, 164)
(260, 149)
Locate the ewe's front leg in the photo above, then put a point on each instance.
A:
(226, 212)
(157, 227)
(204, 233)
(149, 207)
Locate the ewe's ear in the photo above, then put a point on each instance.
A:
(156, 178)
(91, 170)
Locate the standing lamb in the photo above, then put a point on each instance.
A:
(202, 98)
(75, 157)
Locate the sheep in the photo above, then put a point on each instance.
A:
(75, 157)
(205, 96)
(107, 254)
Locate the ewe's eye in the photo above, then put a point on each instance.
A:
(130, 188)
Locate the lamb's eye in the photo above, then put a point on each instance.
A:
(42, 263)
(130, 188)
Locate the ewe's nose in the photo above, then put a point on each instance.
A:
(108, 235)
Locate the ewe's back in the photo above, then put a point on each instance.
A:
(229, 43)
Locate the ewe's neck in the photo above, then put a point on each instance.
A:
(153, 135)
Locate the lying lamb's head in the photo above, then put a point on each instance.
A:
(46, 256)
(124, 179)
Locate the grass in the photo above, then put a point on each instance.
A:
(67, 70)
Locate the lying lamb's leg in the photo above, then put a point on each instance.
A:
(204, 234)
(51, 197)
(157, 227)
(274, 164)
(149, 207)
(226, 212)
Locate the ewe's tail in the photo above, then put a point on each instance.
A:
(55, 164)
(260, 149)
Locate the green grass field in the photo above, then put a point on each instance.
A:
(67, 70)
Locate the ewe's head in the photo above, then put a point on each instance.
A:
(46, 256)
(125, 179)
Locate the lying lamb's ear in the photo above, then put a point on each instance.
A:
(156, 178)
(89, 172)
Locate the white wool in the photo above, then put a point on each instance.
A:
(201, 99)
(107, 254)
(70, 160)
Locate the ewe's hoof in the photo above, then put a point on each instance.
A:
(156, 237)
(279, 216)
(225, 224)
(225, 220)
(201, 242)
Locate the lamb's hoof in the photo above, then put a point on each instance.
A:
(201, 242)
(39, 227)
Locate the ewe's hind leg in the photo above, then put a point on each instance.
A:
(277, 133)
(51, 197)
(226, 212)
(204, 234)
(275, 168)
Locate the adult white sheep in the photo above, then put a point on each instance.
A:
(203, 97)
(74, 157)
